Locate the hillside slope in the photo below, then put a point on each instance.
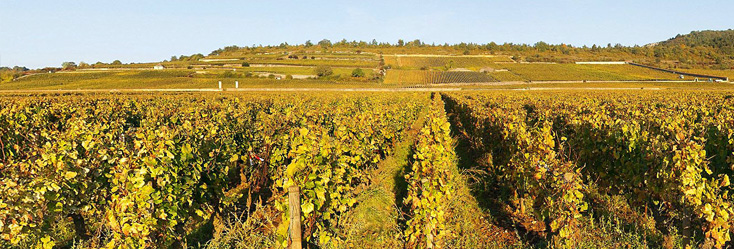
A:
(720, 40)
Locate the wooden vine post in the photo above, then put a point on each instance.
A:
(294, 207)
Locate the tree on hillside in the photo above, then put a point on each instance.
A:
(541, 46)
(68, 65)
(117, 62)
(416, 42)
(196, 57)
(308, 43)
(357, 72)
(322, 71)
(325, 43)
(20, 69)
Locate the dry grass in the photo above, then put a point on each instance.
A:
(254, 231)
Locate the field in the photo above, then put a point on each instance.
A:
(723, 73)
(434, 77)
(435, 61)
(571, 169)
(564, 72)
(271, 68)
(180, 79)
(506, 76)
(334, 63)
(519, 72)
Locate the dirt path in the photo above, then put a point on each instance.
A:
(406, 89)
(243, 90)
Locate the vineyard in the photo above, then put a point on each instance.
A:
(388, 170)
(434, 77)
(418, 62)
(438, 69)
(176, 79)
(506, 76)
(560, 72)
(144, 171)
(659, 164)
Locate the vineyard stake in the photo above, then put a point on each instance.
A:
(294, 207)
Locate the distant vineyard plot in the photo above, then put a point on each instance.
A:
(431, 61)
(506, 76)
(560, 72)
(513, 72)
(435, 77)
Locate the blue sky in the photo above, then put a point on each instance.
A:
(46, 33)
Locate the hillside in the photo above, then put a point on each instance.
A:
(720, 40)
(697, 50)
(403, 64)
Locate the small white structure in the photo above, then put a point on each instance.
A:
(236, 84)
(158, 67)
(486, 70)
(220, 84)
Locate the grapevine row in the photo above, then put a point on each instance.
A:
(429, 181)
(141, 171)
(672, 158)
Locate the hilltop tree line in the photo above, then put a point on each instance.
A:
(721, 40)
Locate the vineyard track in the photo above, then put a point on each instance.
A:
(240, 90)
(607, 81)
(375, 223)
(420, 88)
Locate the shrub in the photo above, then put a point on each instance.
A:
(357, 72)
(322, 71)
